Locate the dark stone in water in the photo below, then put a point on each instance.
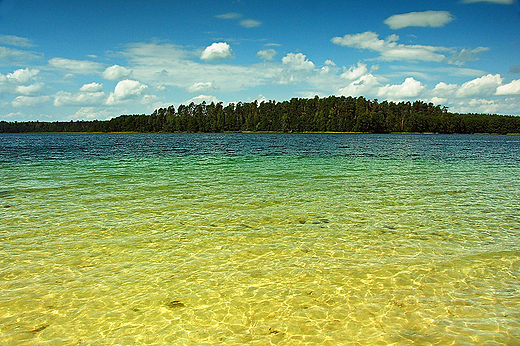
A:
(175, 304)
(39, 329)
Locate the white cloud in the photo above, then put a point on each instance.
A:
(512, 88)
(216, 52)
(466, 55)
(296, 67)
(116, 72)
(445, 90)
(477, 106)
(261, 98)
(297, 61)
(30, 89)
(201, 87)
(389, 49)
(230, 15)
(11, 40)
(89, 95)
(267, 54)
(364, 86)
(438, 100)
(482, 86)
(250, 23)
(203, 98)
(29, 101)
(93, 113)
(76, 66)
(11, 82)
(246, 23)
(63, 98)
(355, 72)
(169, 65)
(409, 88)
(433, 19)
(91, 88)
(22, 75)
(125, 90)
(15, 56)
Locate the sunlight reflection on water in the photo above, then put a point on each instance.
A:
(202, 239)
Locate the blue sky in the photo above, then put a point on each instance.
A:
(69, 60)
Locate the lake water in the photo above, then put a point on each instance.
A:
(232, 239)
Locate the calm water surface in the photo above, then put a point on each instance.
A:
(232, 239)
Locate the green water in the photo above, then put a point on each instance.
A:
(221, 246)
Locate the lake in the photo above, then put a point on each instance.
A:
(233, 239)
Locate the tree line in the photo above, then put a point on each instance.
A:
(330, 114)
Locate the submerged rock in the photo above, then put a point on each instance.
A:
(39, 329)
(174, 304)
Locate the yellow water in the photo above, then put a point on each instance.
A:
(258, 250)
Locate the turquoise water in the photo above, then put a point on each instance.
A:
(190, 239)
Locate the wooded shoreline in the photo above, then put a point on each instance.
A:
(299, 115)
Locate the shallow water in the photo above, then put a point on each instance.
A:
(193, 239)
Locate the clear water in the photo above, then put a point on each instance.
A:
(232, 239)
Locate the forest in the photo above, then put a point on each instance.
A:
(330, 114)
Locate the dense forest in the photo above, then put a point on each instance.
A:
(330, 114)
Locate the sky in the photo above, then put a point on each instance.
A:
(84, 60)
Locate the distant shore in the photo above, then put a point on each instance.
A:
(318, 115)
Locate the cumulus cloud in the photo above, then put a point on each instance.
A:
(438, 100)
(116, 72)
(355, 72)
(512, 88)
(29, 101)
(445, 90)
(89, 95)
(363, 86)
(125, 90)
(22, 75)
(267, 54)
(433, 19)
(296, 67)
(169, 65)
(203, 98)
(297, 61)
(76, 66)
(482, 86)
(216, 52)
(91, 88)
(409, 88)
(389, 48)
(30, 89)
(12, 82)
